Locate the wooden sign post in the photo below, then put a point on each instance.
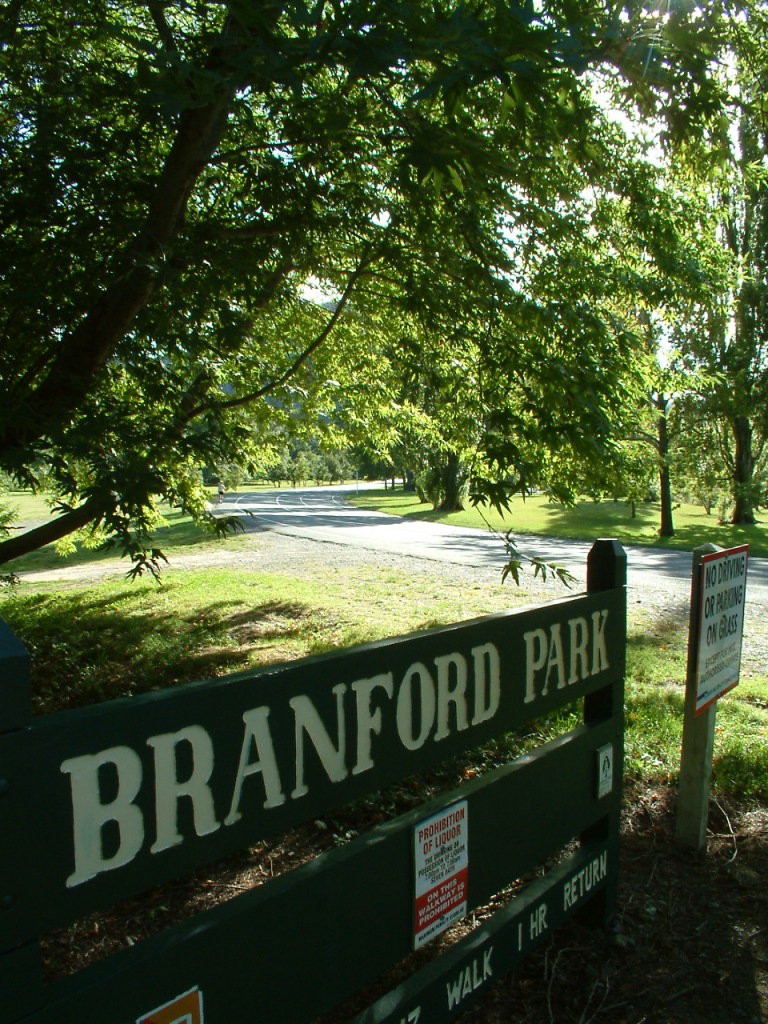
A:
(718, 589)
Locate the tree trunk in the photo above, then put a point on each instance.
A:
(667, 527)
(83, 352)
(743, 468)
(452, 482)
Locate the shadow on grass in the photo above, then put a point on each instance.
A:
(605, 518)
(84, 651)
(182, 532)
(614, 513)
(425, 513)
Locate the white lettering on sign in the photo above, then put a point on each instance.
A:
(257, 732)
(428, 702)
(168, 789)
(418, 680)
(469, 978)
(369, 719)
(333, 758)
(556, 659)
(537, 922)
(427, 705)
(584, 880)
(91, 815)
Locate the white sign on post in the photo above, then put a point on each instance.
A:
(721, 623)
(442, 867)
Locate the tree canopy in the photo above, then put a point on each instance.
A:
(719, 335)
(176, 179)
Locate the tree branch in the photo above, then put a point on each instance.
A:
(14, 547)
(253, 229)
(644, 436)
(162, 26)
(286, 375)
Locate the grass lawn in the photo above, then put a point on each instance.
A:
(96, 642)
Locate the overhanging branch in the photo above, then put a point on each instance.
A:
(85, 350)
(251, 229)
(51, 531)
(276, 382)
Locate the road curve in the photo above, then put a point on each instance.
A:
(322, 514)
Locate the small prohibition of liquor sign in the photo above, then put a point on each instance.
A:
(184, 1009)
(441, 860)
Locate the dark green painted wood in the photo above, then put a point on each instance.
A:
(21, 982)
(15, 692)
(606, 570)
(299, 945)
(606, 566)
(287, 951)
(42, 818)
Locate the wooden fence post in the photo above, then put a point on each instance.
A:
(20, 967)
(15, 691)
(606, 570)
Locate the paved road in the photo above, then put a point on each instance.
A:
(322, 514)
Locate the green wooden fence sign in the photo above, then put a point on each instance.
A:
(103, 803)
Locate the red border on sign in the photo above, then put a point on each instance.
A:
(714, 556)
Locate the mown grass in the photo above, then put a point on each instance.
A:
(654, 697)
(178, 532)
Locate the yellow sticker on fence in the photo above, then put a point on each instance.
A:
(185, 1009)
